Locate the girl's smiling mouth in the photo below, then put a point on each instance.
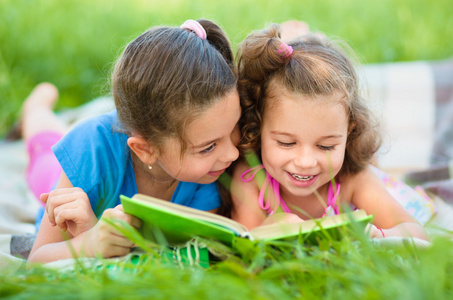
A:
(216, 173)
(302, 178)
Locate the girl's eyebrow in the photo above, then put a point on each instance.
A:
(212, 141)
(206, 143)
(331, 136)
(282, 133)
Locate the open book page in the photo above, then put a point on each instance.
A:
(286, 230)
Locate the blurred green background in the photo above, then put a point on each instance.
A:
(73, 43)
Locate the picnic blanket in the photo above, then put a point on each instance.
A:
(416, 108)
(414, 101)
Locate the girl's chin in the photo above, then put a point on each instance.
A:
(207, 179)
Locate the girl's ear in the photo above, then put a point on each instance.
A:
(144, 151)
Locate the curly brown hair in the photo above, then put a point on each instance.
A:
(315, 67)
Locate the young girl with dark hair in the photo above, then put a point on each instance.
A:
(173, 133)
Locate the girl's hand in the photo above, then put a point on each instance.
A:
(69, 209)
(374, 232)
(282, 218)
(106, 240)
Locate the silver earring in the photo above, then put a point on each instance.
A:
(149, 167)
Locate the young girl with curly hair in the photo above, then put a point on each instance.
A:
(315, 138)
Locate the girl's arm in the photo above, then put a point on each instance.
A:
(69, 216)
(367, 191)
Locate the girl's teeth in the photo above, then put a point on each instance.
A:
(302, 178)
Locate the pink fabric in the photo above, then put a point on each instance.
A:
(332, 198)
(43, 169)
(195, 27)
(332, 207)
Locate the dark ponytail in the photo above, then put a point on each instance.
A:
(218, 39)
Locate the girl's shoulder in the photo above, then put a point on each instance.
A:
(245, 181)
(102, 129)
(245, 193)
(240, 167)
(362, 175)
(240, 175)
(250, 176)
(104, 122)
(355, 185)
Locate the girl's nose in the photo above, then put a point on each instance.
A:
(231, 153)
(305, 159)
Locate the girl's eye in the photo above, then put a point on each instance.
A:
(287, 145)
(326, 148)
(209, 149)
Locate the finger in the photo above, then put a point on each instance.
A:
(43, 197)
(112, 251)
(81, 218)
(62, 191)
(65, 215)
(108, 241)
(371, 230)
(55, 201)
(121, 241)
(294, 219)
(109, 246)
(60, 199)
(135, 222)
(55, 205)
(116, 214)
(63, 226)
(130, 219)
(50, 213)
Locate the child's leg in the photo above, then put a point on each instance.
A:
(43, 168)
(41, 129)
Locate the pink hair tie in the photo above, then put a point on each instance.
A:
(285, 49)
(195, 27)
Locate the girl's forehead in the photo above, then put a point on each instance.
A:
(305, 102)
(278, 89)
(293, 114)
(216, 121)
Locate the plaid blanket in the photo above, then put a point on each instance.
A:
(438, 177)
(415, 102)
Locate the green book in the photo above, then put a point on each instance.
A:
(179, 224)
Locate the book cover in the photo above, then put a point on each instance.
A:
(171, 223)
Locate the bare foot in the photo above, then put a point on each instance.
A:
(44, 95)
(293, 29)
(37, 111)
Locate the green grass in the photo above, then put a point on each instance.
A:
(73, 43)
(353, 268)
